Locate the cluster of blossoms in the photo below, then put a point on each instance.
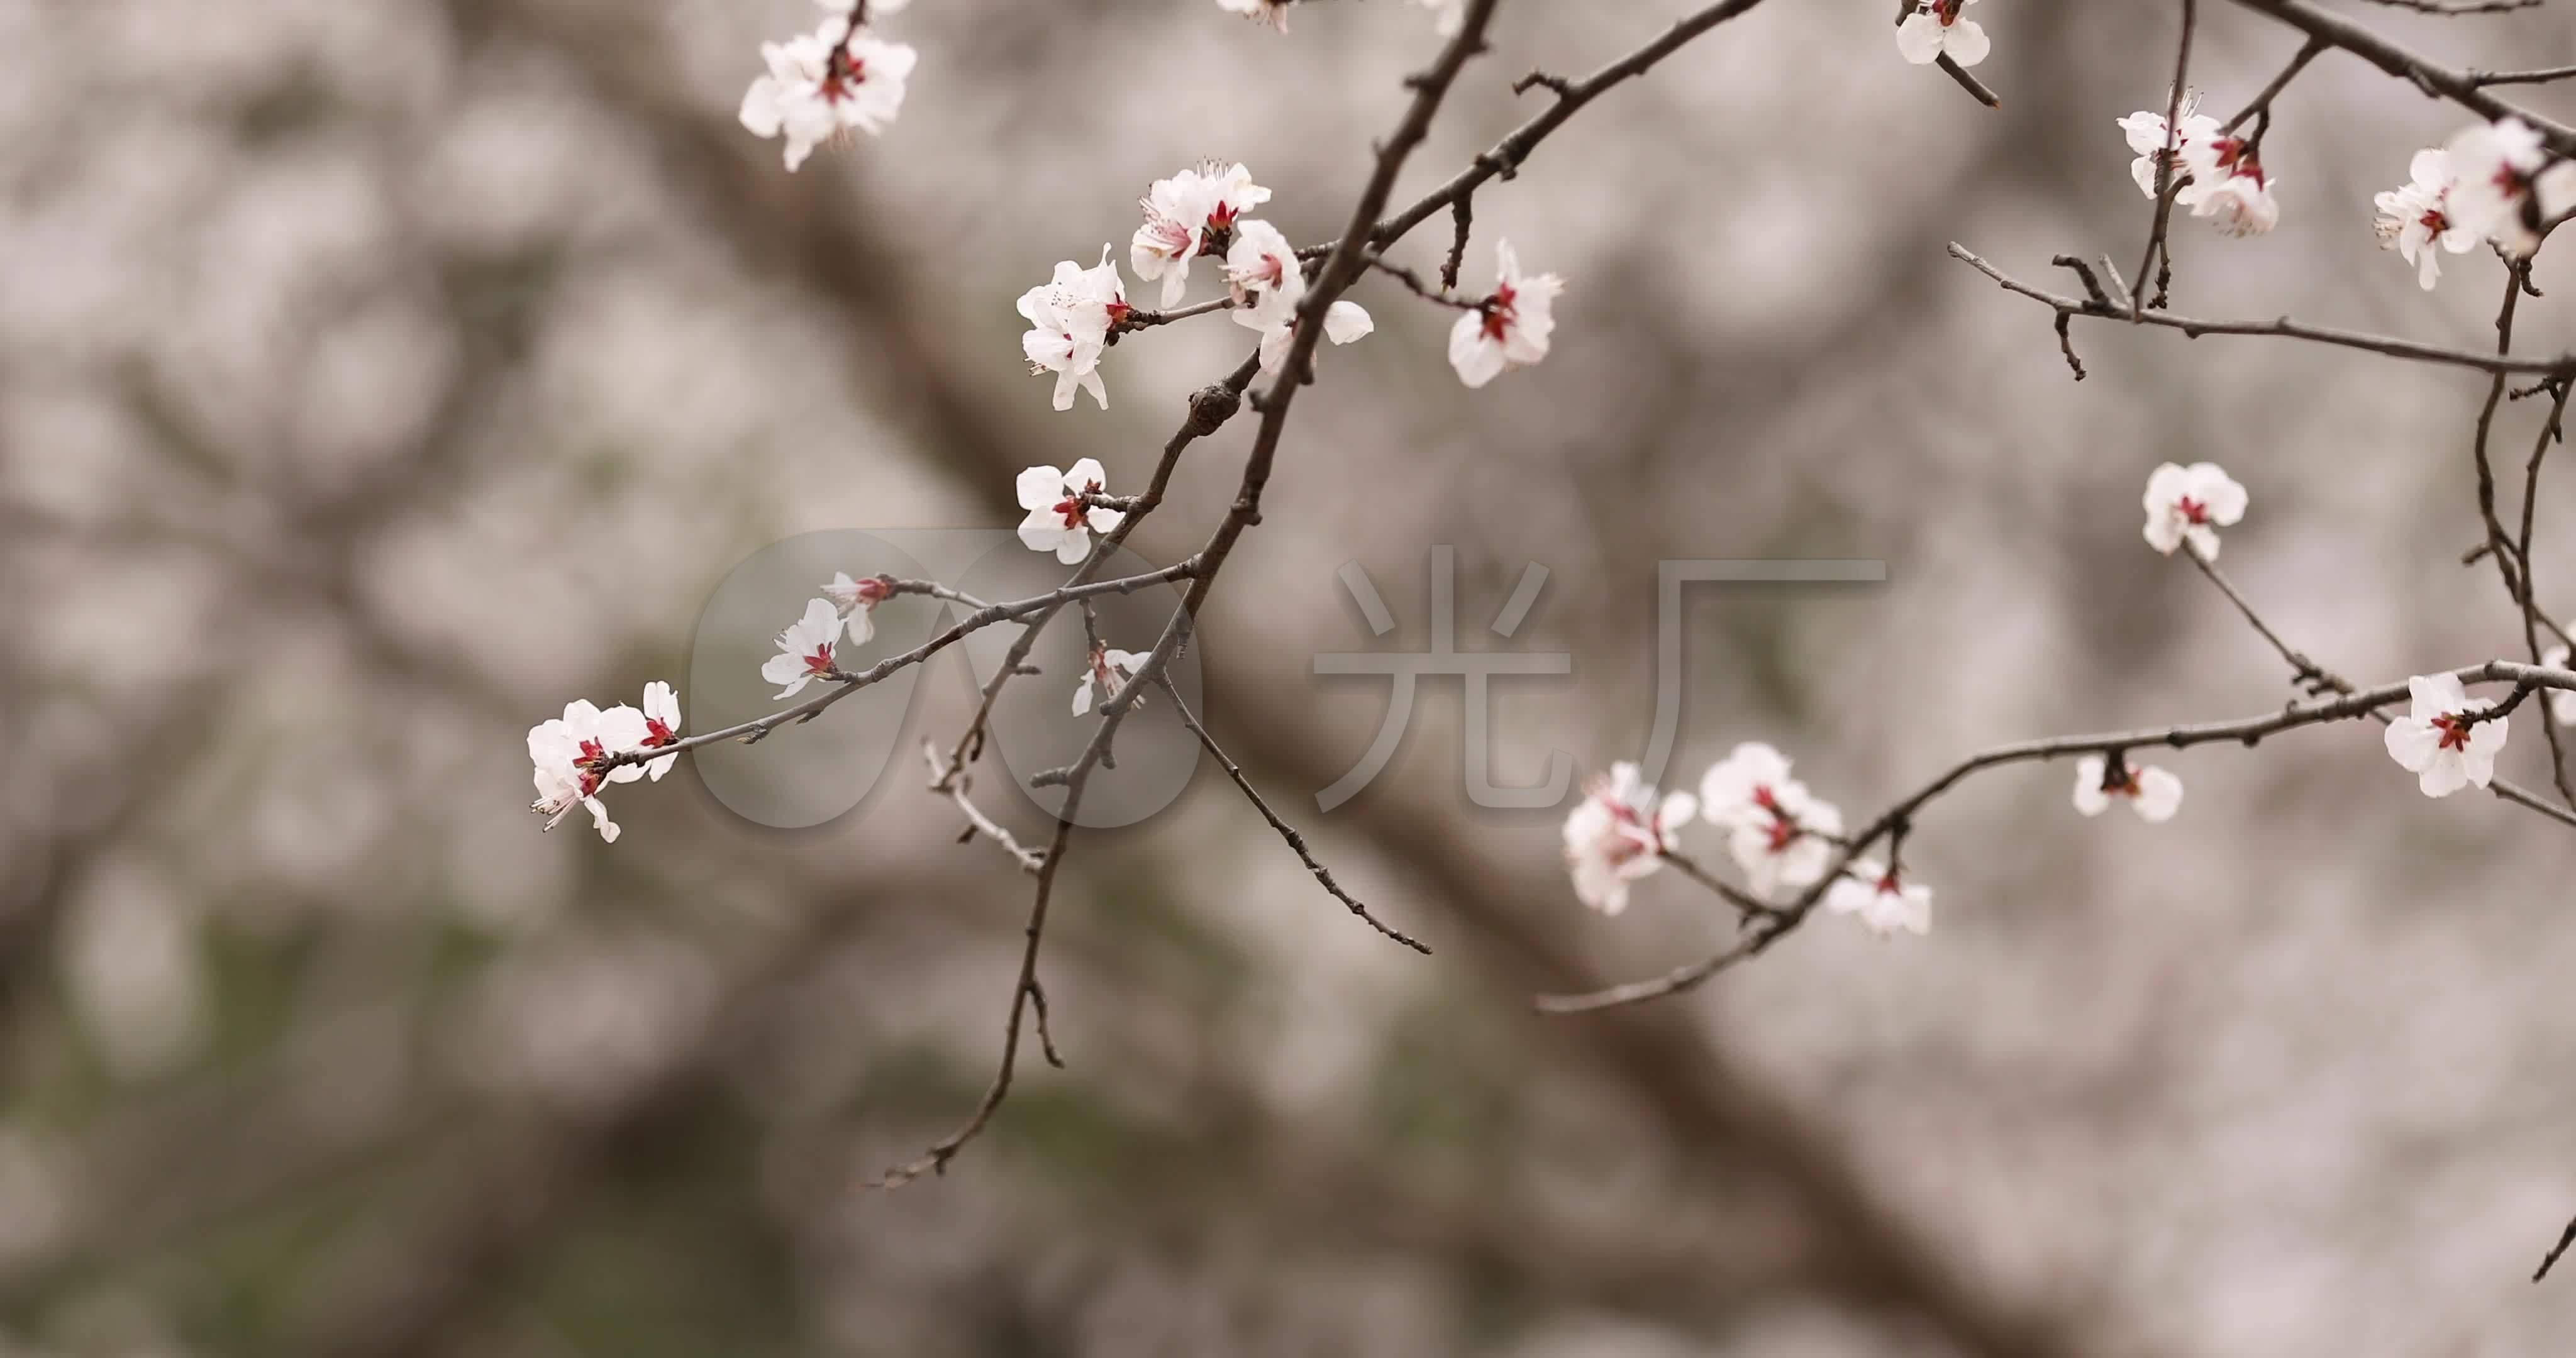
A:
(2221, 174)
(1783, 837)
(575, 754)
(1078, 314)
(1075, 316)
(2492, 183)
(822, 84)
(1932, 29)
(1449, 17)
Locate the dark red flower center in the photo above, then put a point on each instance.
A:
(657, 735)
(2454, 727)
(820, 660)
(1499, 313)
(1070, 507)
(2192, 511)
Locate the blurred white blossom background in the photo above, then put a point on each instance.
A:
(374, 376)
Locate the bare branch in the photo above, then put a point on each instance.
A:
(2284, 328)
(2429, 76)
(1286, 831)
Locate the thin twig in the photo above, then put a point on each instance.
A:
(2284, 328)
(2565, 1239)
(2166, 189)
(2262, 102)
(1296, 841)
(2543, 76)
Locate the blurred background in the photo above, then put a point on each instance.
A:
(377, 375)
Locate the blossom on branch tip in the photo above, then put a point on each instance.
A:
(2145, 130)
(2190, 504)
(1070, 318)
(661, 726)
(857, 600)
(2439, 743)
(1343, 323)
(1058, 521)
(1189, 215)
(571, 753)
(2154, 793)
(1778, 832)
(825, 83)
(807, 650)
(2505, 184)
(1109, 671)
(1510, 328)
(1618, 833)
(1935, 30)
(1884, 903)
(2416, 217)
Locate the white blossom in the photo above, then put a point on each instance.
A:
(570, 754)
(1262, 272)
(1189, 215)
(1618, 833)
(2154, 793)
(2145, 130)
(1935, 29)
(1511, 328)
(1778, 832)
(1792, 849)
(661, 725)
(1109, 671)
(822, 84)
(1343, 323)
(856, 601)
(1070, 317)
(2504, 184)
(1058, 521)
(2438, 743)
(2190, 504)
(2414, 218)
(2238, 202)
(806, 650)
(1884, 903)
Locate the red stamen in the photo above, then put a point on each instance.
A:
(2455, 731)
(1499, 315)
(820, 662)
